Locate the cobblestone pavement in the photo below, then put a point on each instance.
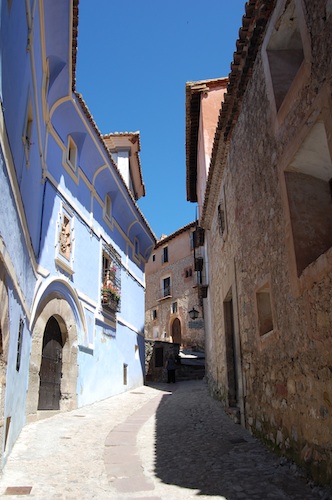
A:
(162, 442)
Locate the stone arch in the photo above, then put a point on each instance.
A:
(176, 331)
(60, 309)
(4, 343)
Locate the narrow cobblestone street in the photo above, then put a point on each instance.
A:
(161, 442)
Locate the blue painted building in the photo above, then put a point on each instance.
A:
(73, 242)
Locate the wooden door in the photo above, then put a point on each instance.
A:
(176, 331)
(50, 368)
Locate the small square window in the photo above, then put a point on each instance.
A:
(188, 272)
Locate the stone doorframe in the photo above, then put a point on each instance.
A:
(62, 312)
(176, 331)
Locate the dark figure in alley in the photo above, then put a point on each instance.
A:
(171, 367)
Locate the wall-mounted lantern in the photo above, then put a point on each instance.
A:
(193, 313)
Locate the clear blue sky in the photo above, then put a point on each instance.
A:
(134, 59)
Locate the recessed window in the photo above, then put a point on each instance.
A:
(165, 255)
(285, 52)
(307, 180)
(154, 314)
(155, 332)
(166, 287)
(108, 207)
(174, 307)
(111, 279)
(154, 257)
(19, 345)
(264, 310)
(27, 134)
(72, 153)
(136, 247)
(125, 374)
(188, 272)
(221, 219)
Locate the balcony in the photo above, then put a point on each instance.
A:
(110, 299)
(199, 263)
(202, 291)
(166, 293)
(198, 237)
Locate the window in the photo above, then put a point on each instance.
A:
(154, 314)
(111, 279)
(27, 134)
(285, 51)
(165, 255)
(108, 207)
(166, 287)
(264, 310)
(188, 272)
(65, 240)
(125, 374)
(221, 219)
(19, 345)
(154, 257)
(174, 307)
(155, 332)
(136, 247)
(72, 153)
(307, 180)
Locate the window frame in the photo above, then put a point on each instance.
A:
(72, 153)
(110, 279)
(166, 288)
(165, 255)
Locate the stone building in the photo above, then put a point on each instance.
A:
(73, 242)
(171, 291)
(267, 220)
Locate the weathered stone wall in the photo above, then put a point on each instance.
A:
(155, 370)
(181, 261)
(286, 373)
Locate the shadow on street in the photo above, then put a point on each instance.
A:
(199, 447)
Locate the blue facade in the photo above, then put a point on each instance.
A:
(72, 239)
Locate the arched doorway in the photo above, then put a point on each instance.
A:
(60, 310)
(51, 367)
(176, 331)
